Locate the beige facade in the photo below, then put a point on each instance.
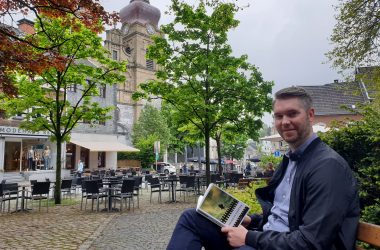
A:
(130, 43)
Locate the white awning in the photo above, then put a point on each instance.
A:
(276, 137)
(272, 138)
(105, 146)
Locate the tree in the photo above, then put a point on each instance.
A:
(205, 84)
(359, 142)
(44, 98)
(234, 146)
(150, 127)
(356, 35)
(26, 53)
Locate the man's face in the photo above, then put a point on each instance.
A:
(292, 121)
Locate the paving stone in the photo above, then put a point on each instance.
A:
(68, 227)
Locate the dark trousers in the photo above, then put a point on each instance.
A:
(194, 231)
(31, 165)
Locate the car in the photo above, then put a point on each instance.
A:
(164, 167)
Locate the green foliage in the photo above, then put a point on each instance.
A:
(247, 196)
(205, 85)
(371, 214)
(359, 143)
(356, 35)
(234, 146)
(80, 62)
(150, 127)
(267, 158)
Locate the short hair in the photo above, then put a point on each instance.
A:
(295, 92)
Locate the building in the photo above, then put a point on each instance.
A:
(333, 102)
(95, 144)
(139, 21)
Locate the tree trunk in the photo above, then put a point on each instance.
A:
(57, 190)
(207, 145)
(219, 149)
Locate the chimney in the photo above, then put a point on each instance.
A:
(26, 26)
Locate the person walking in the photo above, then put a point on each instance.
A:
(80, 168)
(311, 201)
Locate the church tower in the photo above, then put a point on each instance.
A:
(139, 22)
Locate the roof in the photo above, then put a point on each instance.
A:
(328, 99)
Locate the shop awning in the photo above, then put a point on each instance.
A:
(104, 146)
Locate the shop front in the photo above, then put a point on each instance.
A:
(95, 151)
(23, 150)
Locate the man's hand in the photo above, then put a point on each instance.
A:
(235, 235)
(246, 221)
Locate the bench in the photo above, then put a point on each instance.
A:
(368, 233)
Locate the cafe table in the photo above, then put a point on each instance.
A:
(110, 183)
(172, 181)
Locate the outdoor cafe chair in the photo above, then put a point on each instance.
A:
(190, 186)
(40, 191)
(10, 192)
(138, 183)
(126, 192)
(66, 187)
(92, 192)
(182, 186)
(157, 187)
(147, 178)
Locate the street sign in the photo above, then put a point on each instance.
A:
(157, 147)
(277, 153)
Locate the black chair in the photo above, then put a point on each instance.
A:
(66, 187)
(126, 192)
(10, 192)
(234, 179)
(40, 191)
(92, 191)
(182, 185)
(190, 185)
(138, 183)
(1, 197)
(156, 187)
(32, 182)
(148, 177)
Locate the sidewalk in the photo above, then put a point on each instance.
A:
(67, 227)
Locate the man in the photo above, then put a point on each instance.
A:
(311, 201)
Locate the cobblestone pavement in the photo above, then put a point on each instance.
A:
(67, 227)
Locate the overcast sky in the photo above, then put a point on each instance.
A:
(286, 40)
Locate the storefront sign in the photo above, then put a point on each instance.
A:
(4, 131)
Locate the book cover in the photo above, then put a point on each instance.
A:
(220, 207)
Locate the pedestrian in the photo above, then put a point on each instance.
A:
(184, 169)
(46, 156)
(248, 169)
(311, 201)
(269, 170)
(80, 168)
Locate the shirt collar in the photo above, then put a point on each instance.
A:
(304, 145)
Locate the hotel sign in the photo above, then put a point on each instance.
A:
(9, 131)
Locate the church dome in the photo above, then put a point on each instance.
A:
(140, 11)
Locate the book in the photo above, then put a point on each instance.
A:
(220, 207)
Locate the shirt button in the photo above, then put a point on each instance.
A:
(283, 196)
(288, 179)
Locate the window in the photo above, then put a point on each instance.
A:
(72, 87)
(128, 50)
(114, 55)
(149, 64)
(102, 91)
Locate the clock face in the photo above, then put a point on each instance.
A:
(125, 29)
(150, 29)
